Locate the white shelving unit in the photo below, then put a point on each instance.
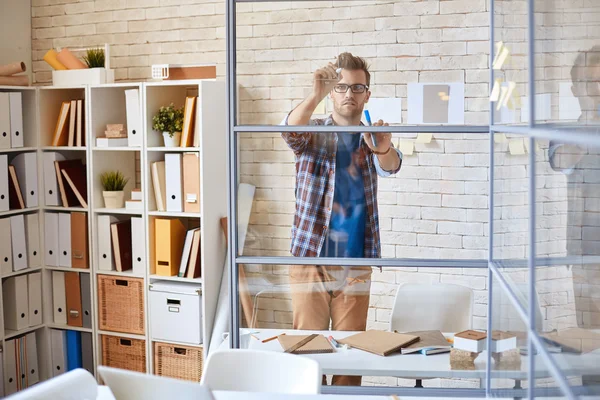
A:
(105, 104)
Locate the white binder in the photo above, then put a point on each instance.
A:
(34, 291)
(19, 246)
(59, 298)
(64, 239)
(134, 120)
(32, 359)
(106, 261)
(51, 191)
(16, 119)
(4, 121)
(32, 232)
(173, 182)
(16, 307)
(10, 374)
(58, 341)
(51, 239)
(26, 168)
(5, 246)
(137, 245)
(4, 199)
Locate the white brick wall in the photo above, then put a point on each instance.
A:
(436, 207)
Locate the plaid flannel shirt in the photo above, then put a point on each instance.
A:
(315, 182)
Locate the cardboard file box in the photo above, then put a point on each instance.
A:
(176, 312)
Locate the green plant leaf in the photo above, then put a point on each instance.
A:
(94, 58)
(168, 119)
(113, 181)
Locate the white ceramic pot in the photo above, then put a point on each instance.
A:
(172, 141)
(114, 199)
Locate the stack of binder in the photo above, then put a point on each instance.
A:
(18, 181)
(177, 250)
(11, 120)
(71, 299)
(66, 240)
(176, 183)
(70, 125)
(70, 350)
(121, 244)
(19, 243)
(22, 297)
(21, 361)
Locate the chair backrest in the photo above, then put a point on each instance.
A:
(262, 371)
(432, 306)
(77, 384)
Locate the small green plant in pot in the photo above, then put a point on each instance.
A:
(94, 58)
(169, 121)
(113, 183)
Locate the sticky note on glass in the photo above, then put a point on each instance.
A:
(424, 138)
(406, 147)
(502, 53)
(516, 147)
(500, 138)
(495, 95)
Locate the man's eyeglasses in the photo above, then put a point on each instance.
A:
(357, 88)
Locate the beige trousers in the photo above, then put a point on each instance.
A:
(322, 294)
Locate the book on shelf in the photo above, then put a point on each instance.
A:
(187, 249)
(134, 205)
(75, 175)
(61, 131)
(193, 268)
(121, 240)
(189, 114)
(72, 122)
(15, 198)
(159, 183)
(80, 136)
(68, 196)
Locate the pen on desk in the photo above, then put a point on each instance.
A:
(272, 338)
(368, 118)
(255, 337)
(334, 342)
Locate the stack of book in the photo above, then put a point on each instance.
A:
(70, 125)
(114, 136)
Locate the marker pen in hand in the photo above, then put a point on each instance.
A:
(368, 118)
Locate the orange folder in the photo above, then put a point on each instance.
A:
(73, 297)
(191, 182)
(79, 240)
(189, 114)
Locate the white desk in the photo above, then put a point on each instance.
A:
(417, 366)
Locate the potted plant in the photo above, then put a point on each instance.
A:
(169, 121)
(113, 183)
(94, 58)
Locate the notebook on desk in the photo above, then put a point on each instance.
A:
(379, 342)
(430, 342)
(318, 345)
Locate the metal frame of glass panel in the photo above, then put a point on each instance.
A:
(533, 131)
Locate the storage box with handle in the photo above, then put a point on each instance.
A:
(124, 353)
(175, 361)
(176, 312)
(121, 304)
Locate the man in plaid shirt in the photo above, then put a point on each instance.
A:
(336, 201)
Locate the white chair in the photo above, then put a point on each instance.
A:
(77, 384)
(262, 371)
(432, 306)
(435, 306)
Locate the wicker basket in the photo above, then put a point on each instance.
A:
(124, 353)
(121, 304)
(181, 362)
